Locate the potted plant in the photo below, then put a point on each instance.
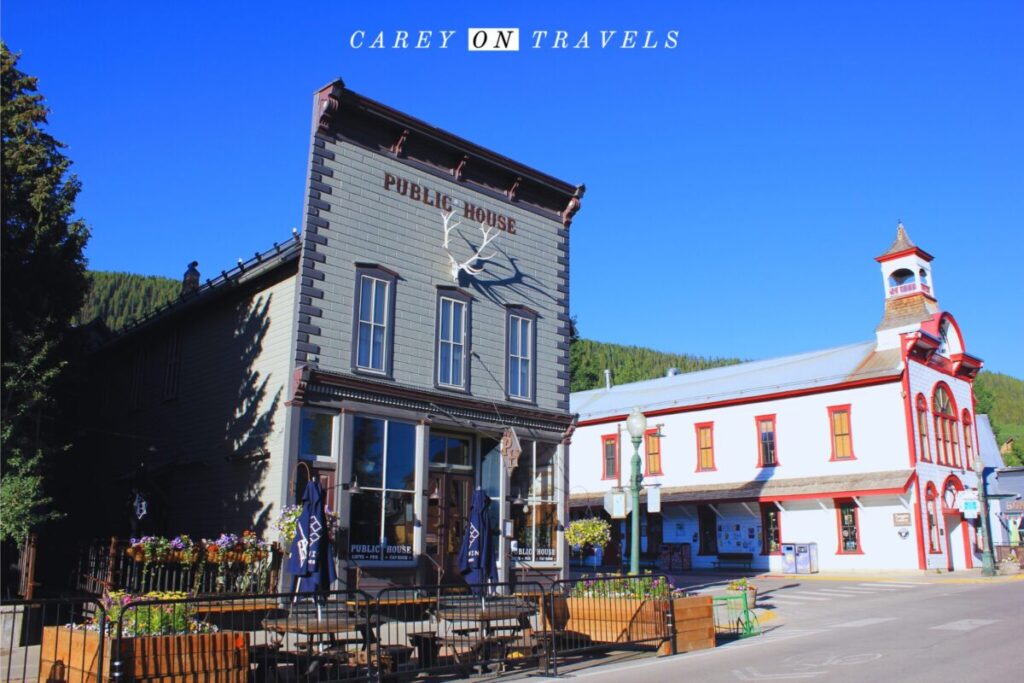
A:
(741, 586)
(591, 532)
(157, 637)
(286, 525)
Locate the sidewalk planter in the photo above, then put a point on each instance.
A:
(609, 620)
(751, 595)
(695, 625)
(70, 656)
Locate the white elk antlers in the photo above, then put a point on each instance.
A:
(489, 235)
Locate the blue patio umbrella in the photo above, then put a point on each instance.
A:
(477, 561)
(311, 560)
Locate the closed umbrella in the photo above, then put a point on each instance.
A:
(311, 560)
(476, 557)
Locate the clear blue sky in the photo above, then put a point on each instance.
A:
(738, 187)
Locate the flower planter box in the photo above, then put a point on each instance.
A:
(694, 619)
(70, 656)
(751, 595)
(610, 620)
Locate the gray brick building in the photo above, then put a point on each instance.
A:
(420, 316)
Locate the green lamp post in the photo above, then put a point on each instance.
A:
(636, 425)
(988, 563)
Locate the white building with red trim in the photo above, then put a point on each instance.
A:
(861, 449)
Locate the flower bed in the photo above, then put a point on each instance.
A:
(157, 641)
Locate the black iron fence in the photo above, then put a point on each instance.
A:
(104, 565)
(324, 637)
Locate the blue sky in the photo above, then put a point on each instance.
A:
(738, 186)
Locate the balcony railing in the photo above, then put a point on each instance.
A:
(909, 288)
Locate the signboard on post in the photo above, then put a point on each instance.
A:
(970, 509)
(654, 498)
(615, 503)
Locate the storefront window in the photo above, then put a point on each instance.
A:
(536, 523)
(449, 450)
(316, 435)
(384, 465)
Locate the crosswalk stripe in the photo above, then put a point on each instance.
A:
(907, 584)
(800, 597)
(964, 625)
(838, 591)
(858, 589)
(864, 622)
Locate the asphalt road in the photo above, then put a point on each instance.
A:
(902, 630)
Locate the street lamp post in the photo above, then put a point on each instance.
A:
(988, 564)
(636, 425)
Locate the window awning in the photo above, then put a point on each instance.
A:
(831, 486)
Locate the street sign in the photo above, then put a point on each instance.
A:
(654, 498)
(615, 503)
(970, 509)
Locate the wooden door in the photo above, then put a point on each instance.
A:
(447, 515)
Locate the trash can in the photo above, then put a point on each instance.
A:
(788, 558)
(806, 558)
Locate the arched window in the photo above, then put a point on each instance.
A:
(968, 440)
(922, 428)
(947, 439)
(931, 496)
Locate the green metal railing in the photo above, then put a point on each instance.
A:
(735, 617)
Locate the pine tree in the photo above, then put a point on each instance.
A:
(43, 275)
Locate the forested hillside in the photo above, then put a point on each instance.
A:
(116, 298)
(999, 396)
(588, 360)
(1002, 398)
(119, 297)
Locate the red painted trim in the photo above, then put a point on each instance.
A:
(921, 407)
(970, 438)
(951, 456)
(647, 456)
(921, 531)
(696, 431)
(908, 406)
(794, 393)
(765, 508)
(856, 525)
(968, 551)
(931, 499)
(832, 430)
(605, 438)
(775, 439)
(906, 252)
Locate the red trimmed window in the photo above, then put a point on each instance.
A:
(947, 440)
(705, 446)
(842, 436)
(968, 440)
(849, 527)
(767, 446)
(922, 428)
(931, 497)
(652, 446)
(610, 456)
(771, 529)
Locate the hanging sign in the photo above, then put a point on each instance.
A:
(970, 509)
(615, 503)
(510, 449)
(654, 498)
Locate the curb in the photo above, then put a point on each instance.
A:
(926, 578)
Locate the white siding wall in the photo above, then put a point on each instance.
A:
(803, 434)
(923, 380)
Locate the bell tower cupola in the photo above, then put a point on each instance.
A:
(909, 289)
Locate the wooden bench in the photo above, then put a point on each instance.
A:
(734, 560)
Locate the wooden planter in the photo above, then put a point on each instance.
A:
(70, 656)
(695, 625)
(751, 595)
(610, 620)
